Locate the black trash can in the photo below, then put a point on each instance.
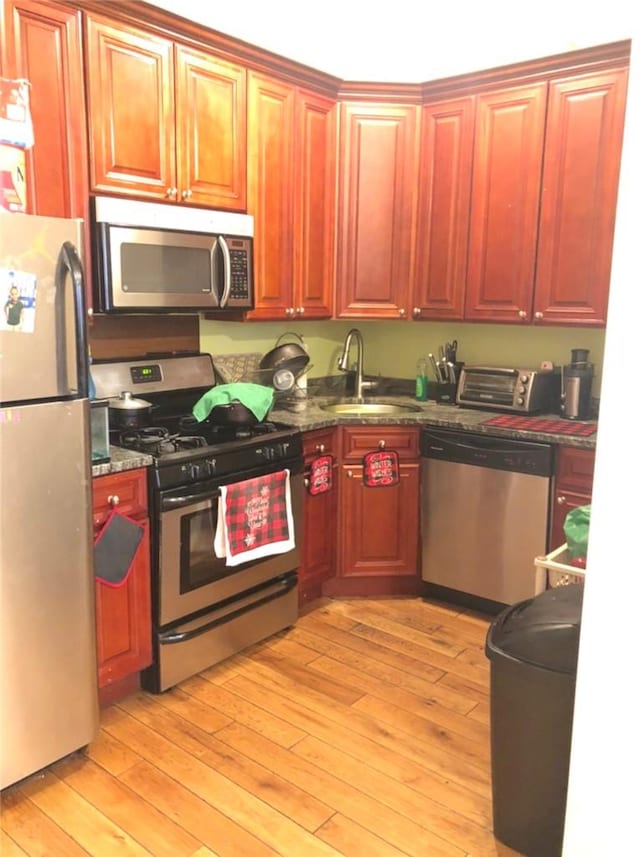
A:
(533, 650)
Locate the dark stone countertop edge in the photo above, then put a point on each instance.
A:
(121, 459)
(308, 415)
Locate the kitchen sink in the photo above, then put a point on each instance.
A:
(372, 408)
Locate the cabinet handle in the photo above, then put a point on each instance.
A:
(382, 444)
(402, 312)
(538, 315)
(522, 314)
(416, 312)
(320, 447)
(187, 194)
(171, 192)
(113, 500)
(561, 500)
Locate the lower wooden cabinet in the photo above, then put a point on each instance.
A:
(573, 486)
(123, 614)
(378, 528)
(320, 516)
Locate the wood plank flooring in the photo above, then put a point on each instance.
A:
(362, 731)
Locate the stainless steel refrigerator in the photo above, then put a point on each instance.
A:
(48, 673)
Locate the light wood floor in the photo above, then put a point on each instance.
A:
(362, 731)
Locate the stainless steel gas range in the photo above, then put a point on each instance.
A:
(204, 609)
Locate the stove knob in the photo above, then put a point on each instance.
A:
(194, 471)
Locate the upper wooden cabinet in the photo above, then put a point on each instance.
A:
(291, 169)
(505, 194)
(165, 121)
(446, 154)
(378, 177)
(42, 42)
(579, 193)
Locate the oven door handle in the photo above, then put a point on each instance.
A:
(188, 499)
(283, 586)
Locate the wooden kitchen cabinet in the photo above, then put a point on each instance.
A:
(377, 197)
(123, 614)
(165, 121)
(378, 528)
(573, 486)
(583, 143)
(446, 157)
(42, 42)
(291, 193)
(320, 518)
(505, 197)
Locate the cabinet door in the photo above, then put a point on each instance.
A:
(320, 519)
(314, 203)
(131, 111)
(270, 193)
(123, 619)
(211, 130)
(42, 42)
(507, 163)
(443, 214)
(580, 186)
(379, 526)
(378, 159)
(573, 485)
(123, 614)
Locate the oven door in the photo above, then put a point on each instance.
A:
(191, 578)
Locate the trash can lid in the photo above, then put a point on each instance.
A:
(543, 631)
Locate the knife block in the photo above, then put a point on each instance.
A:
(444, 394)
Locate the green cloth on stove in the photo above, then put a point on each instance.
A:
(255, 397)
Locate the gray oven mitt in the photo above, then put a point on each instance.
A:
(255, 397)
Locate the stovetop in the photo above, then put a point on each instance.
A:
(184, 450)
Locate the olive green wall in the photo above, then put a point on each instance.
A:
(392, 348)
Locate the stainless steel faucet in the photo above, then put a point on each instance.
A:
(343, 362)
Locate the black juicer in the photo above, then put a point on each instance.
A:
(577, 379)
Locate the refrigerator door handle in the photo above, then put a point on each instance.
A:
(69, 262)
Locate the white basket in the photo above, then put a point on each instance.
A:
(554, 570)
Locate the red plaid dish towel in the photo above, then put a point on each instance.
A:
(255, 519)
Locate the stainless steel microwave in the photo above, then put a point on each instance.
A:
(154, 257)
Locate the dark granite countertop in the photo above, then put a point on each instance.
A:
(308, 415)
(121, 459)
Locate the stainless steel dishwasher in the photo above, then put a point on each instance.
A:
(484, 514)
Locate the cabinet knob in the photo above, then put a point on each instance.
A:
(522, 314)
(171, 192)
(290, 311)
(538, 315)
(186, 194)
(402, 312)
(307, 482)
(113, 500)
(350, 474)
(90, 311)
(300, 310)
(320, 447)
(561, 500)
(382, 444)
(416, 312)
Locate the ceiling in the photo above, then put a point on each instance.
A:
(411, 40)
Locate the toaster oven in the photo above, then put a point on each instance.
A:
(496, 388)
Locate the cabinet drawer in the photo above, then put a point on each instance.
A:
(356, 442)
(322, 442)
(574, 469)
(127, 491)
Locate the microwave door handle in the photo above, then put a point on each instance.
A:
(227, 270)
(69, 262)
